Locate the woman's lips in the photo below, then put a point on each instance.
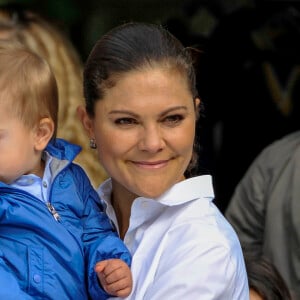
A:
(151, 164)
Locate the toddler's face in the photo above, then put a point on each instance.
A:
(17, 147)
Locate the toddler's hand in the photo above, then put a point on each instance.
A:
(115, 277)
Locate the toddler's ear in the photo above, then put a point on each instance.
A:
(44, 133)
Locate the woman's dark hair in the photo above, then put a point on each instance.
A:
(135, 46)
(265, 279)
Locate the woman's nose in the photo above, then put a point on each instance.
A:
(151, 140)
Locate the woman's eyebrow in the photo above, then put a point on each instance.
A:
(167, 111)
(172, 109)
(123, 111)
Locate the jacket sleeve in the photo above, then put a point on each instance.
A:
(10, 289)
(246, 209)
(100, 240)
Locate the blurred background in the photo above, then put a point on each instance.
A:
(248, 69)
(86, 20)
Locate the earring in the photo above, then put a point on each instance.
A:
(93, 144)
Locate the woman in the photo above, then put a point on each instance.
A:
(141, 111)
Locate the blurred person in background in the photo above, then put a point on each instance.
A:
(265, 208)
(265, 282)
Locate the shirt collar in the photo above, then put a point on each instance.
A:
(30, 179)
(144, 208)
(188, 190)
(182, 192)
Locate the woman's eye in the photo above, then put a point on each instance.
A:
(125, 121)
(173, 120)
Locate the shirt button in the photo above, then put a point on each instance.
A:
(144, 204)
(36, 278)
(44, 184)
(127, 240)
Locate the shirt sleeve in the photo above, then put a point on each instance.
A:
(196, 264)
(246, 209)
(100, 240)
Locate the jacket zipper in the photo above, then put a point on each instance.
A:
(50, 207)
(53, 211)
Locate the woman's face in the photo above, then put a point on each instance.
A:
(144, 129)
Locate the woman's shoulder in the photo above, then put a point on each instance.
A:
(203, 221)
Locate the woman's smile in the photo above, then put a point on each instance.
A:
(151, 165)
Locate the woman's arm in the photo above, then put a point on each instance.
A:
(198, 263)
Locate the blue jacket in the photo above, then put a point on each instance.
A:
(42, 258)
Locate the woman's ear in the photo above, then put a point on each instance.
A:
(43, 133)
(85, 120)
(197, 107)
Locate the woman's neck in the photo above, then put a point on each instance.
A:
(121, 200)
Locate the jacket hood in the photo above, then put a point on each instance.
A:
(63, 150)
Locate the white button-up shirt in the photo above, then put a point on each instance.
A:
(182, 246)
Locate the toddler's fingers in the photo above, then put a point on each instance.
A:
(120, 288)
(100, 266)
